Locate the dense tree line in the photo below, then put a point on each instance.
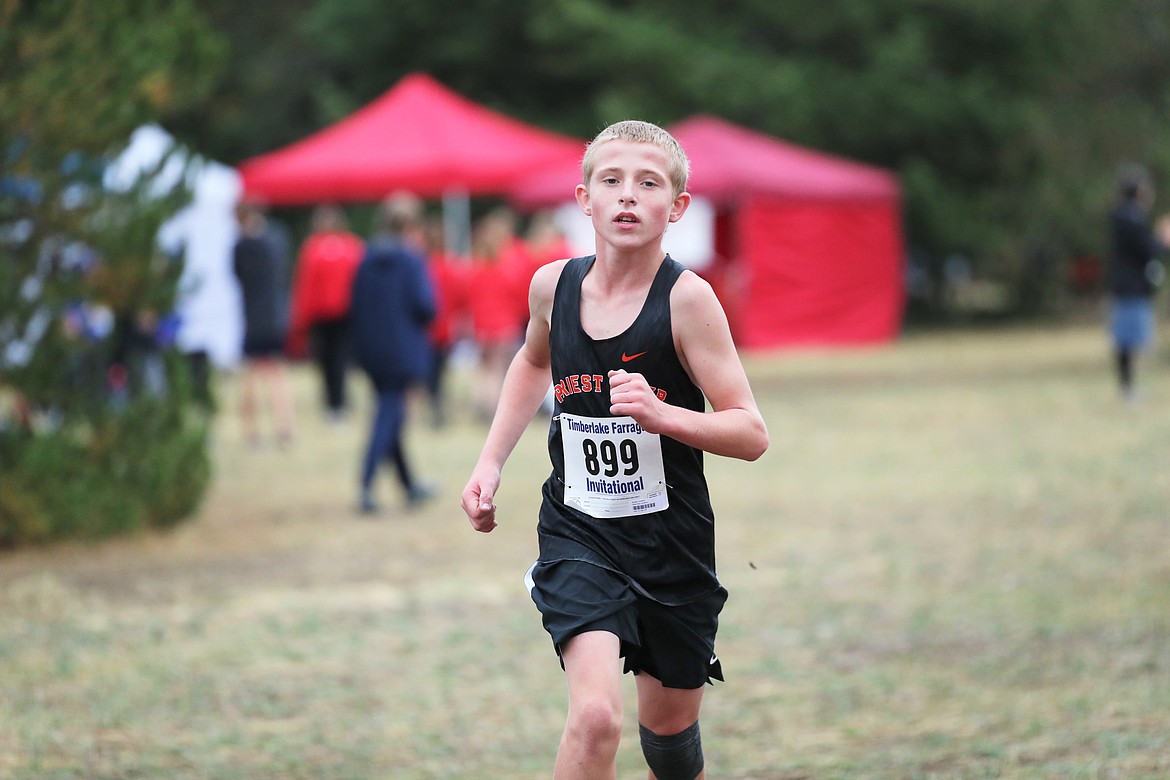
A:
(1004, 120)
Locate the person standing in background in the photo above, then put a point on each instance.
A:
(449, 276)
(322, 288)
(1134, 271)
(261, 265)
(498, 303)
(391, 308)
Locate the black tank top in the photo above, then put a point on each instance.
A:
(667, 555)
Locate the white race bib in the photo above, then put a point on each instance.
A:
(613, 468)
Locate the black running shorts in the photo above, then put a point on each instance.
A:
(673, 644)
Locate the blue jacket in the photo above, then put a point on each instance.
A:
(392, 305)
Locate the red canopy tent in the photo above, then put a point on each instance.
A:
(419, 136)
(809, 246)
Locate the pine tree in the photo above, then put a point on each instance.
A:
(100, 428)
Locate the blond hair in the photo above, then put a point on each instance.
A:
(637, 131)
(400, 212)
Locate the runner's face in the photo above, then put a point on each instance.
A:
(629, 196)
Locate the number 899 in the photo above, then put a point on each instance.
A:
(613, 457)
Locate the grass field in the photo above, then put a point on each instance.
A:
(954, 562)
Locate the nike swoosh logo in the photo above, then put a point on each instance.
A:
(627, 358)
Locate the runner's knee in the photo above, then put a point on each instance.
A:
(674, 756)
(596, 722)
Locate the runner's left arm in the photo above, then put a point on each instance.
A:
(734, 427)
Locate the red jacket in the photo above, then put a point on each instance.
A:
(449, 278)
(324, 279)
(498, 297)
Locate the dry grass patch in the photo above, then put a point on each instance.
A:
(951, 564)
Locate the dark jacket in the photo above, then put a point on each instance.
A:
(1132, 246)
(262, 271)
(392, 305)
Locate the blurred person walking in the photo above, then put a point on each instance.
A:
(322, 288)
(391, 308)
(1134, 271)
(261, 265)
